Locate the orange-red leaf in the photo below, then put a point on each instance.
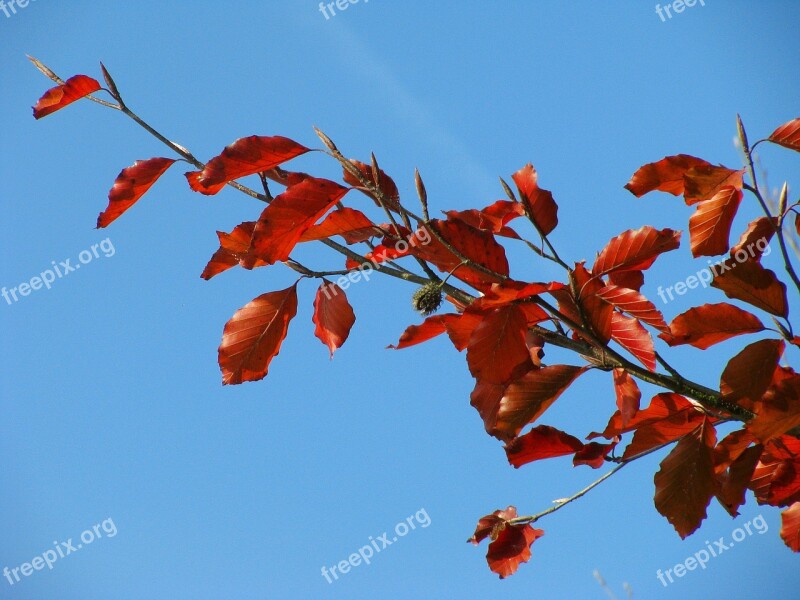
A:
(416, 334)
(243, 157)
(526, 399)
(630, 334)
(497, 351)
(663, 407)
(730, 448)
(593, 454)
(635, 249)
(539, 203)
(351, 224)
(665, 175)
(748, 374)
(710, 225)
(703, 182)
(131, 184)
(635, 304)
(752, 283)
(284, 221)
(685, 481)
(539, 443)
(779, 410)
(787, 135)
(234, 249)
(628, 395)
(62, 95)
(709, 324)
(733, 482)
(387, 184)
(510, 544)
(493, 218)
(594, 310)
(253, 336)
(333, 316)
(790, 518)
(755, 238)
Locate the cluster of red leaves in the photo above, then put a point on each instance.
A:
(513, 386)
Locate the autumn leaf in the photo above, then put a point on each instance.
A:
(58, 97)
(253, 336)
(787, 135)
(635, 250)
(590, 309)
(526, 399)
(666, 175)
(539, 204)
(234, 249)
(710, 225)
(779, 409)
(351, 224)
(131, 184)
(333, 316)
(417, 334)
(663, 407)
(245, 156)
(748, 374)
(685, 481)
(776, 479)
(387, 184)
(510, 544)
(494, 218)
(732, 483)
(790, 520)
(635, 304)
(497, 350)
(593, 454)
(628, 395)
(284, 221)
(761, 230)
(703, 182)
(539, 443)
(750, 282)
(709, 324)
(630, 334)
(730, 448)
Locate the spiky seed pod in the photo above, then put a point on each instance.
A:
(427, 299)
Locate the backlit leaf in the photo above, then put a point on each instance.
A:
(131, 184)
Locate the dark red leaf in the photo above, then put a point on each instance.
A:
(662, 407)
(752, 283)
(539, 203)
(593, 454)
(666, 175)
(635, 304)
(703, 182)
(416, 334)
(710, 225)
(234, 249)
(333, 316)
(628, 395)
(635, 249)
(497, 351)
(58, 97)
(709, 324)
(748, 374)
(510, 544)
(733, 483)
(630, 334)
(351, 224)
(755, 239)
(539, 443)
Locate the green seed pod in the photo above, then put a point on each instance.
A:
(427, 299)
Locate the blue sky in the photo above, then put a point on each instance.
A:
(112, 406)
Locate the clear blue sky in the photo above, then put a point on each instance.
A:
(112, 405)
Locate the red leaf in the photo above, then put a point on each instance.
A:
(628, 395)
(387, 184)
(497, 350)
(748, 374)
(635, 250)
(539, 203)
(685, 481)
(485, 398)
(351, 224)
(253, 336)
(131, 184)
(730, 448)
(593, 309)
(246, 156)
(630, 334)
(234, 249)
(593, 454)
(333, 316)
(633, 280)
(733, 482)
(510, 543)
(635, 304)
(787, 135)
(62, 95)
(761, 230)
(790, 520)
(710, 225)
(776, 479)
(193, 178)
(779, 410)
(479, 246)
(460, 328)
(416, 334)
(752, 283)
(526, 399)
(662, 407)
(539, 443)
(703, 182)
(665, 175)
(283, 222)
(657, 432)
(493, 218)
(709, 324)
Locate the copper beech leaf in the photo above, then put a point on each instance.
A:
(253, 336)
(417, 334)
(776, 479)
(778, 411)
(787, 135)
(590, 309)
(593, 454)
(283, 222)
(730, 448)
(387, 184)
(755, 239)
(526, 399)
(685, 481)
(539, 203)
(710, 225)
(732, 483)
(333, 316)
(709, 324)
(493, 218)
(510, 543)
(245, 156)
(497, 350)
(630, 334)
(539, 443)
(750, 282)
(703, 182)
(131, 184)
(635, 250)
(58, 97)
(635, 304)
(748, 374)
(666, 175)
(351, 224)
(628, 395)
(790, 518)
(663, 407)
(234, 249)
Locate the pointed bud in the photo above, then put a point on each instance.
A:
(782, 200)
(326, 140)
(112, 87)
(742, 134)
(507, 190)
(421, 192)
(376, 172)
